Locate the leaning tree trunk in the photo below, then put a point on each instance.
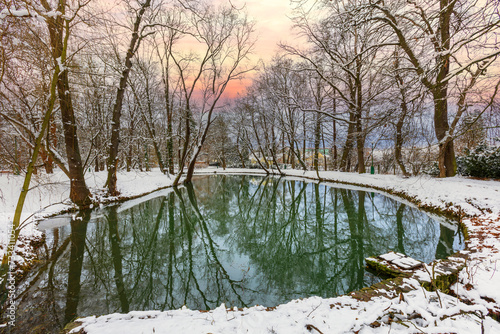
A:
(115, 128)
(117, 109)
(79, 193)
(240, 155)
(185, 147)
(14, 234)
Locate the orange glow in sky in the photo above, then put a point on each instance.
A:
(236, 87)
(272, 25)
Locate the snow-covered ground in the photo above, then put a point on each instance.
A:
(49, 194)
(412, 312)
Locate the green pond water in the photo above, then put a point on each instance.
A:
(238, 240)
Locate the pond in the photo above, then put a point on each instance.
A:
(238, 240)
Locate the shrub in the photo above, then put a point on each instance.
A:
(482, 161)
(432, 169)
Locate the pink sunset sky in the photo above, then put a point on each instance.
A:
(272, 25)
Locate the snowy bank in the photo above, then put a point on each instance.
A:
(477, 201)
(49, 195)
(419, 310)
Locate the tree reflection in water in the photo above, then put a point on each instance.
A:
(238, 240)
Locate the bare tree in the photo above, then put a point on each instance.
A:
(59, 29)
(170, 33)
(139, 31)
(441, 40)
(224, 36)
(345, 55)
(146, 91)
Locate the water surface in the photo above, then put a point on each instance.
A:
(238, 240)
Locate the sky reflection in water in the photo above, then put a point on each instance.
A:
(238, 240)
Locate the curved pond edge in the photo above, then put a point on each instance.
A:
(393, 285)
(451, 210)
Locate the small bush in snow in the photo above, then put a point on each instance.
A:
(482, 161)
(432, 169)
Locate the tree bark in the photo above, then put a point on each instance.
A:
(402, 116)
(447, 163)
(170, 134)
(360, 134)
(59, 34)
(399, 141)
(334, 148)
(446, 158)
(317, 138)
(170, 142)
(117, 109)
(185, 146)
(349, 143)
(79, 193)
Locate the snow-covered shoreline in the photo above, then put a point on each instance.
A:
(478, 200)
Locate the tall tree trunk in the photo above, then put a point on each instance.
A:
(170, 143)
(334, 148)
(360, 144)
(45, 153)
(240, 155)
(291, 140)
(447, 162)
(402, 116)
(185, 147)
(151, 129)
(360, 134)
(79, 193)
(317, 138)
(304, 134)
(169, 109)
(294, 150)
(117, 109)
(130, 147)
(297, 154)
(59, 34)
(349, 143)
(283, 155)
(399, 139)
(446, 158)
(257, 137)
(97, 157)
